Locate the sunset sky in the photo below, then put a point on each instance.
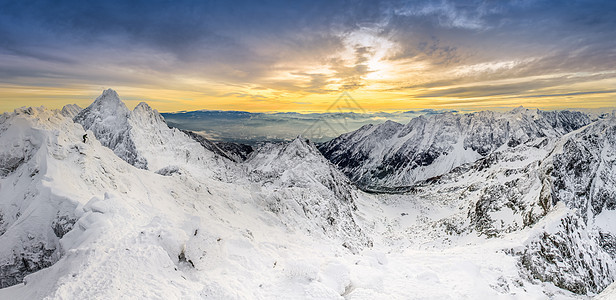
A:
(263, 56)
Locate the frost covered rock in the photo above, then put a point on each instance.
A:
(237, 152)
(579, 256)
(300, 184)
(162, 146)
(574, 251)
(499, 194)
(524, 188)
(107, 117)
(569, 257)
(584, 169)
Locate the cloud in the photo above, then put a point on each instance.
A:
(571, 94)
(447, 14)
(521, 88)
(275, 49)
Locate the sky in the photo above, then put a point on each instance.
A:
(301, 56)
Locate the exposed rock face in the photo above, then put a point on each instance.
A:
(584, 170)
(237, 152)
(232, 151)
(560, 188)
(21, 146)
(393, 155)
(577, 172)
(579, 255)
(142, 138)
(570, 257)
(30, 260)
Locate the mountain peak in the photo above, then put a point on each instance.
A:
(108, 103)
(144, 114)
(518, 109)
(301, 139)
(392, 156)
(142, 106)
(71, 110)
(391, 123)
(107, 117)
(302, 143)
(108, 95)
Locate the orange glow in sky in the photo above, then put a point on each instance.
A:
(387, 56)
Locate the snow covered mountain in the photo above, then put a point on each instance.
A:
(298, 182)
(552, 196)
(142, 138)
(107, 117)
(392, 155)
(89, 223)
(141, 210)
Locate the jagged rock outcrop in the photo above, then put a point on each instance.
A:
(142, 138)
(569, 256)
(238, 152)
(299, 183)
(584, 169)
(561, 189)
(579, 255)
(74, 216)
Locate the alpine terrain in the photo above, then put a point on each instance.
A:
(106, 202)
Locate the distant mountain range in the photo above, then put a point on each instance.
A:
(253, 128)
(393, 155)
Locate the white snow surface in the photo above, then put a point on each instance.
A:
(216, 229)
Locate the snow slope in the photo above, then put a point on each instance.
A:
(136, 233)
